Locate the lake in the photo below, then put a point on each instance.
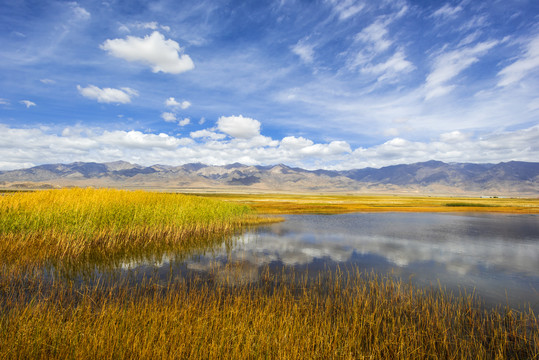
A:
(495, 255)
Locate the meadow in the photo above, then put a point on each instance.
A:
(343, 314)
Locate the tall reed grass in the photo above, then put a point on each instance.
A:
(77, 224)
(341, 315)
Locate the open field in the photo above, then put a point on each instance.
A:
(336, 204)
(339, 315)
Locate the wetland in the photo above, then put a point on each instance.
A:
(106, 273)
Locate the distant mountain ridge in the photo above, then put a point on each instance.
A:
(436, 177)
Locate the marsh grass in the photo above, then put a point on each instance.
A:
(338, 315)
(338, 204)
(75, 225)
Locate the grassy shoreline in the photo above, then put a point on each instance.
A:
(81, 224)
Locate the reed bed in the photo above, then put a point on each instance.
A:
(72, 225)
(339, 315)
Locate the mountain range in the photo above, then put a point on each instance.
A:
(431, 177)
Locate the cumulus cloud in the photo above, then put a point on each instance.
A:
(450, 64)
(454, 146)
(108, 95)
(168, 117)
(211, 147)
(171, 102)
(527, 63)
(239, 126)
(184, 122)
(153, 50)
(27, 103)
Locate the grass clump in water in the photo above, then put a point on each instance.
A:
(77, 224)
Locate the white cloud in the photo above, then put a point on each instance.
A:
(168, 117)
(184, 122)
(153, 50)
(451, 147)
(375, 35)
(79, 12)
(148, 25)
(450, 64)
(27, 103)
(347, 8)
(139, 140)
(207, 134)
(389, 69)
(239, 126)
(171, 102)
(108, 95)
(152, 25)
(47, 81)
(447, 11)
(294, 143)
(87, 144)
(124, 28)
(304, 51)
(523, 66)
(4, 102)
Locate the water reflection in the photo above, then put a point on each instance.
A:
(497, 255)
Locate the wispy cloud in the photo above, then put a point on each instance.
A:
(525, 64)
(450, 64)
(447, 11)
(347, 8)
(390, 68)
(27, 103)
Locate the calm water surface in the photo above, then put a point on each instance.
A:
(495, 255)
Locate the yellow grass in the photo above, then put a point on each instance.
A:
(77, 224)
(341, 315)
(335, 204)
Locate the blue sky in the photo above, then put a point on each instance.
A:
(331, 84)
